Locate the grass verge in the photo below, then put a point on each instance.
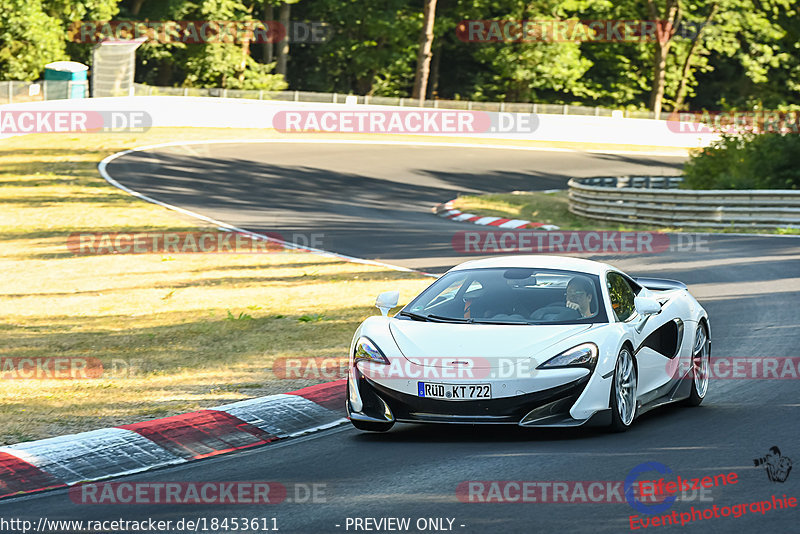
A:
(179, 332)
(552, 208)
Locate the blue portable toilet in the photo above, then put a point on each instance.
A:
(65, 79)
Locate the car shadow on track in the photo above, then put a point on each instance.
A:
(652, 421)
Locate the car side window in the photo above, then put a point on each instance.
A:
(621, 296)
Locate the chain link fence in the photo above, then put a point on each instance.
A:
(338, 98)
(15, 92)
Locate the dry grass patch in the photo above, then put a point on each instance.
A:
(175, 333)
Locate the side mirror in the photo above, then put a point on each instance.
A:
(646, 306)
(386, 301)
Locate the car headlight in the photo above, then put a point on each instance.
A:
(366, 350)
(584, 355)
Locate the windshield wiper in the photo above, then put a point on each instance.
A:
(490, 321)
(434, 318)
(414, 316)
(449, 319)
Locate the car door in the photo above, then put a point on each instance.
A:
(651, 335)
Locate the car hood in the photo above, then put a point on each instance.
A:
(438, 344)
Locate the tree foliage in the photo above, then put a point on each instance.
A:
(29, 39)
(749, 161)
(720, 53)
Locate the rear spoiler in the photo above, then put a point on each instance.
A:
(660, 284)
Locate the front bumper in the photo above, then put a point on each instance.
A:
(546, 408)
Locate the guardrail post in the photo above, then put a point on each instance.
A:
(401, 101)
(566, 109)
(335, 97)
(502, 106)
(10, 92)
(366, 99)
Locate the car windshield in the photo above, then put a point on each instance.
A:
(512, 295)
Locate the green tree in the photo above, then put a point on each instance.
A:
(748, 30)
(224, 65)
(372, 48)
(29, 39)
(749, 161)
(214, 64)
(756, 59)
(69, 11)
(513, 71)
(72, 12)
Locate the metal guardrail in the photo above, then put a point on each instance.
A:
(654, 200)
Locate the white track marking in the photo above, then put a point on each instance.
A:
(102, 167)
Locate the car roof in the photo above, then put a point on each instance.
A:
(538, 262)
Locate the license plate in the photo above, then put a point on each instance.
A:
(454, 391)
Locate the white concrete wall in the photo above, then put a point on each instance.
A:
(242, 113)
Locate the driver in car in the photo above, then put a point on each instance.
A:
(579, 295)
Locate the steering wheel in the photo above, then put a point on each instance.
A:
(555, 313)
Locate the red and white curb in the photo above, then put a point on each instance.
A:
(447, 211)
(111, 452)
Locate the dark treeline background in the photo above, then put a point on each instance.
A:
(746, 53)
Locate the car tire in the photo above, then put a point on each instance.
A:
(701, 364)
(372, 427)
(623, 392)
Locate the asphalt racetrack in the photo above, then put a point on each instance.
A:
(374, 201)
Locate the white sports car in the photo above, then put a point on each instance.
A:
(537, 341)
